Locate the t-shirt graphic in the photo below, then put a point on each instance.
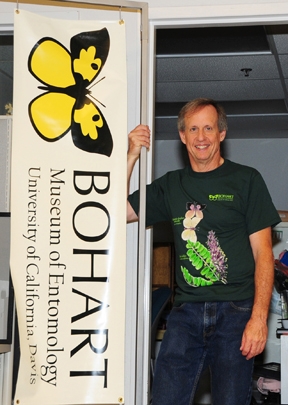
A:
(210, 261)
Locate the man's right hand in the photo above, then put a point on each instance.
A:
(138, 137)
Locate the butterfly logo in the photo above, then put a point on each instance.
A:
(67, 104)
(192, 218)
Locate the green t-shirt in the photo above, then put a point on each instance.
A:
(212, 216)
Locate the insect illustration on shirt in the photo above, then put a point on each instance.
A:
(66, 103)
(192, 218)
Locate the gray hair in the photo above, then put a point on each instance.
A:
(197, 104)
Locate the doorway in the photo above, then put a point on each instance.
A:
(245, 68)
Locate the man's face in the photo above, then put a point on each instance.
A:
(202, 138)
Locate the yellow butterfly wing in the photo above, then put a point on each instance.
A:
(89, 119)
(189, 234)
(50, 115)
(50, 63)
(189, 231)
(89, 129)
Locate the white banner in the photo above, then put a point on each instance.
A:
(68, 209)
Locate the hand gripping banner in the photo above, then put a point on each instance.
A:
(68, 209)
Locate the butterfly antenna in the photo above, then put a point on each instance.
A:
(97, 82)
(93, 96)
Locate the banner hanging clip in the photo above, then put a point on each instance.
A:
(17, 7)
(121, 21)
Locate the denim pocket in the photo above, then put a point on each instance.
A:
(243, 305)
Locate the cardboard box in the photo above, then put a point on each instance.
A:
(283, 215)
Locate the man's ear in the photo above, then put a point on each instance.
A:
(222, 135)
(182, 137)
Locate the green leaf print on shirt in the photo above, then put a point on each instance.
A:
(194, 281)
(200, 258)
(211, 261)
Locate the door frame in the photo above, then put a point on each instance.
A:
(158, 21)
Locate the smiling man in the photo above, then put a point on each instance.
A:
(221, 213)
(201, 132)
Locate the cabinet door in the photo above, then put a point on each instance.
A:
(163, 265)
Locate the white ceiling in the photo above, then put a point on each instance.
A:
(209, 62)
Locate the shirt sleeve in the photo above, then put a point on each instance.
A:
(156, 206)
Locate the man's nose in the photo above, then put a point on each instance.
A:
(201, 134)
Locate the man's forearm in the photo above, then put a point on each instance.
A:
(131, 160)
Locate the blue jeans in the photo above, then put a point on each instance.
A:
(201, 335)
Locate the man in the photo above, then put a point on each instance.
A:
(221, 214)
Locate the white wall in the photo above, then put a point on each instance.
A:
(183, 10)
(182, 3)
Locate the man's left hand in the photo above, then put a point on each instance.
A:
(254, 338)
